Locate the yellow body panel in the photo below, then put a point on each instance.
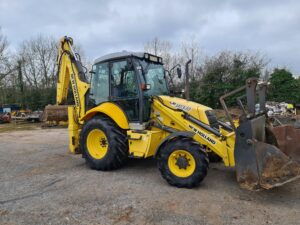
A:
(194, 109)
(111, 110)
(144, 144)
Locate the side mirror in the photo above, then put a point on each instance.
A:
(92, 71)
(179, 73)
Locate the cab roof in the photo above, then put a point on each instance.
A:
(117, 55)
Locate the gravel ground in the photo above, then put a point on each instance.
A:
(42, 183)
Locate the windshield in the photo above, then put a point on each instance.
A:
(154, 75)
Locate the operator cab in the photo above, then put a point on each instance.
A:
(128, 79)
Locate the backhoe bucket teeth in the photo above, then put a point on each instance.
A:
(260, 165)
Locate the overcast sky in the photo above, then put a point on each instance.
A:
(270, 27)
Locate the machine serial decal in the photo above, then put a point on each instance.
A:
(179, 106)
(195, 130)
(75, 92)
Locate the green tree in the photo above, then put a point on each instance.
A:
(284, 87)
(223, 73)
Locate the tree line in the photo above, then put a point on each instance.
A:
(213, 76)
(28, 75)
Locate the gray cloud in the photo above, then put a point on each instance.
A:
(270, 27)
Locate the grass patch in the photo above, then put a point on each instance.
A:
(19, 125)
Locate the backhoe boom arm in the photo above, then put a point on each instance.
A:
(70, 70)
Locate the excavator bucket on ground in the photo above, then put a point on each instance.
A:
(265, 157)
(55, 114)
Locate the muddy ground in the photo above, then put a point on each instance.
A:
(42, 183)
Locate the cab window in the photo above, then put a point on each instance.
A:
(99, 90)
(123, 83)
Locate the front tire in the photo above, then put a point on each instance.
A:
(103, 144)
(183, 163)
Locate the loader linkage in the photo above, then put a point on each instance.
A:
(260, 161)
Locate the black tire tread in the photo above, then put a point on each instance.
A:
(200, 155)
(118, 146)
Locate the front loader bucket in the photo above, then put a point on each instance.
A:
(288, 140)
(260, 165)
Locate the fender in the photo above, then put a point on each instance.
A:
(111, 110)
(171, 136)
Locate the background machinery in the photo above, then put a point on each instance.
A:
(126, 111)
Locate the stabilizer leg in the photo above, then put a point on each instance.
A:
(73, 129)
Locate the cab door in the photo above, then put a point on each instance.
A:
(99, 90)
(124, 88)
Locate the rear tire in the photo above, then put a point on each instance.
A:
(191, 153)
(115, 144)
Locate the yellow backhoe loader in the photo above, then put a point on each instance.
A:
(126, 111)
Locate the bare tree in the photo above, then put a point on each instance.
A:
(162, 49)
(5, 63)
(157, 46)
(39, 61)
(191, 50)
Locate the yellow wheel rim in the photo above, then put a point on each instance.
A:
(182, 163)
(97, 144)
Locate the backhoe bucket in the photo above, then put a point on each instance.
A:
(55, 113)
(260, 165)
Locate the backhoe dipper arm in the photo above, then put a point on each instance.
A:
(71, 70)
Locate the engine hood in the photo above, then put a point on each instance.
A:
(194, 109)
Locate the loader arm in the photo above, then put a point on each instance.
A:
(70, 70)
(258, 162)
(219, 141)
